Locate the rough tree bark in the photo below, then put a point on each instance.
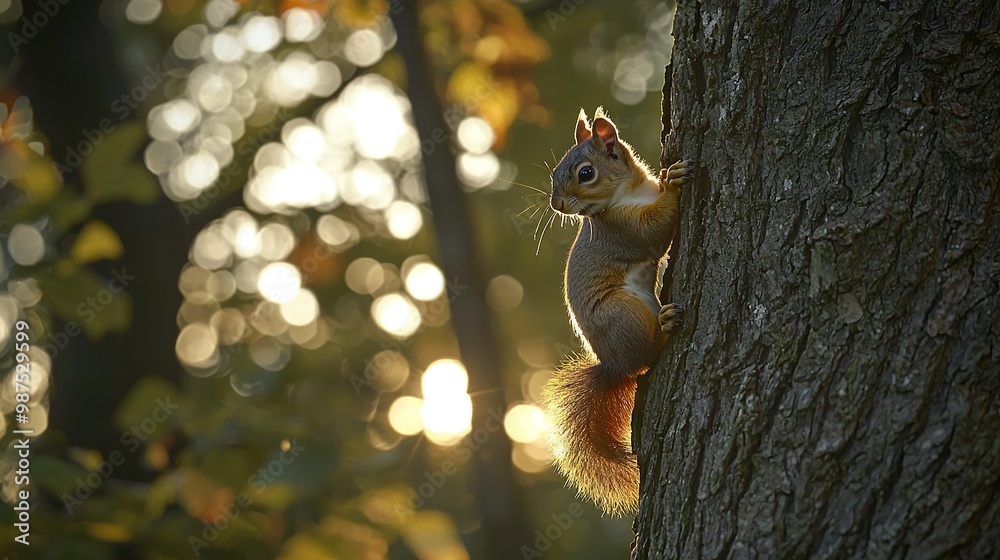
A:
(834, 394)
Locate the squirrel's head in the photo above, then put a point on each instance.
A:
(597, 171)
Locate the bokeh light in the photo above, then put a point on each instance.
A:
(269, 353)
(475, 135)
(143, 11)
(9, 310)
(304, 139)
(301, 309)
(478, 170)
(301, 24)
(447, 418)
(447, 408)
(197, 346)
(370, 185)
(211, 250)
(276, 241)
(405, 415)
(230, 325)
(387, 370)
(363, 48)
(525, 423)
(444, 377)
(261, 33)
(403, 219)
(424, 281)
(371, 115)
(279, 282)
(532, 457)
(395, 314)
(336, 232)
(364, 275)
(26, 244)
(504, 292)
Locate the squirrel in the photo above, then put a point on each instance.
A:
(628, 217)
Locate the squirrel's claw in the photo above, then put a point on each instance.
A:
(670, 317)
(678, 174)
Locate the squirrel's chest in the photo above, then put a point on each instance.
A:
(640, 281)
(589, 281)
(599, 266)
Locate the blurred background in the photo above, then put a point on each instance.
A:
(218, 235)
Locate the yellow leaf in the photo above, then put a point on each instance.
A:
(40, 180)
(493, 97)
(359, 14)
(96, 241)
(34, 173)
(432, 535)
(387, 506)
(109, 532)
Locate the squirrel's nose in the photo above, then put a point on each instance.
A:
(558, 204)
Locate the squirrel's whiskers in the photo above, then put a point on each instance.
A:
(535, 205)
(536, 189)
(540, 237)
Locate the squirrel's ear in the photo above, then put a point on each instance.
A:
(605, 133)
(582, 129)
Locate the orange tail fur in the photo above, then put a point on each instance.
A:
(591, 413)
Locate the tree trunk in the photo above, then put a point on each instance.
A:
(497, 494)
(70, 73)
(834, 393)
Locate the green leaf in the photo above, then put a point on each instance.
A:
(66, 209)
(96, 241)
(301, 470)
(95, 304)
(151, 403)
(57, 476)
(228, 466)
(160, 494)
(113, 172)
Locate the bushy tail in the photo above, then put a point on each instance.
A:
(591, 413)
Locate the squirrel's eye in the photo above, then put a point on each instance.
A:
(586, 174)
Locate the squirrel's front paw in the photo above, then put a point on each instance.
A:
(678, 174)
(670, 317)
